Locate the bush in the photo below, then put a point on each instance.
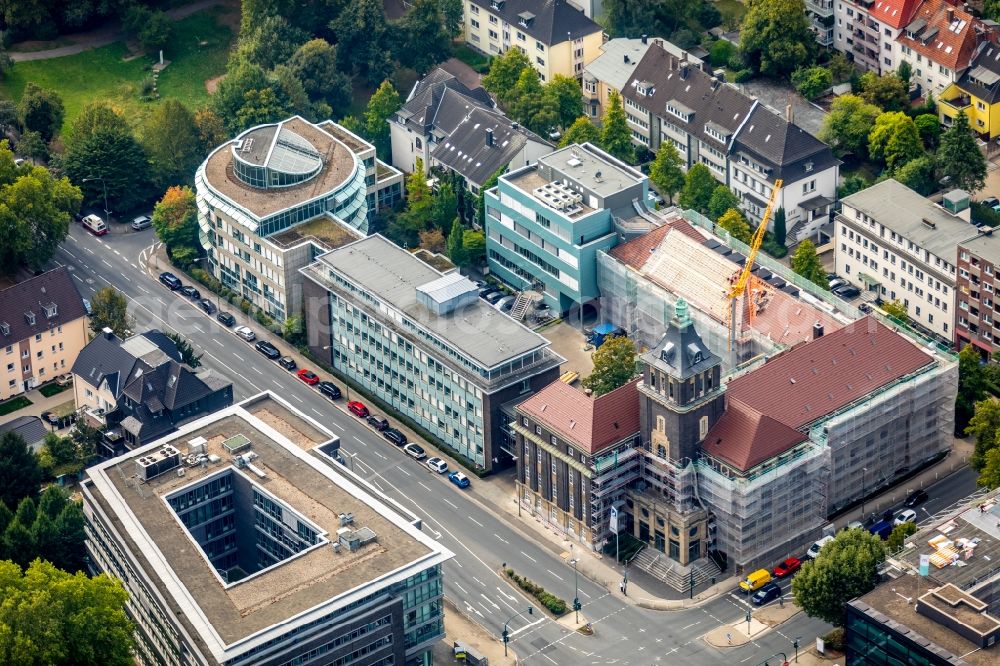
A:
(811, 82)
(743, 75)
(555, 605)
(984, 215)
(721, 53)
(835, 639)
(245, 306)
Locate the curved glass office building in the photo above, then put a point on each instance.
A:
(277, 196)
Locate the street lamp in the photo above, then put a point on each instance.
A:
(104, 185)
(795, 644)
(506, 634)
(864, 491)
(576, 592)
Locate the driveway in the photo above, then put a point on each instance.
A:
(776, 96)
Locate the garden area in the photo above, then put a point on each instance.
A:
(197, 54)
(14, 404)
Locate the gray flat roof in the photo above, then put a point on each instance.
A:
(902, 210)
(984, 246)
(591, 168)
(283, 439)
(391, 274)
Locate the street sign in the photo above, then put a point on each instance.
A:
(614, 519)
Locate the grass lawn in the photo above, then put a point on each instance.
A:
(733, 8)
(198, 52)
(14, 404)
(52, 389)
(473, 59)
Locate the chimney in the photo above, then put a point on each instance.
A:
(645, 39)
(789, 116)
(625, 57)
(684, 70)
(951, 14)
(817, 331)
(715, 82)
(108, 333)
(489, 137)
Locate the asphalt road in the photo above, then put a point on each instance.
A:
(481, 539)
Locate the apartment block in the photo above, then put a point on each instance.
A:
(977, 312)
(43, 327)
(557, 36)
(866, 31)
(899, 245)
(278, 195)
(821, 21)
(939, 42)
(233, 536)
(546, 222)
(424, 343)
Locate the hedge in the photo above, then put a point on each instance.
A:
(555, 605)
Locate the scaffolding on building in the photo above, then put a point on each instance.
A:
(613, 474)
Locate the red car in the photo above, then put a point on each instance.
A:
(358, 409)
(787, 568)
(308, 377)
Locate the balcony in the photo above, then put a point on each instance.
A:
(820, 7)
(957, 103)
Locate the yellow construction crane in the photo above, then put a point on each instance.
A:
(741, 286)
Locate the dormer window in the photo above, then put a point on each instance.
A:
(29, 317)
(525, 18)
(50, 310)
(5, 328)
(497, 4)
(678, 110)
(809, 166)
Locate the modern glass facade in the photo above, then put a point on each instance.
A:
(872, 643)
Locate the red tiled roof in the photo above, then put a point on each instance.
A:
(947, 47)
(637, 251)
(744, 437)
(814, 379)
(590, 423)
(895, 13)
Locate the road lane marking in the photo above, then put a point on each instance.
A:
(464, 591)
(691, 625)
(257, 371)
(142, 289)
(239, 357)
(133, 265)
(297, 398)
(585, 594)
(78, 277)
(69, 253)
(359, 441)
(403, 471)
(118, 253)
(338, 427)
(475, 521)
(124, 277)
(554, 574)
(106, 263)
(501, 538)
(88, 250)
(453, 505)
(216, 341)
(426, 487)
(479, 581)
(527, 626)
(529, 557)
(318, 413)
(380, 455)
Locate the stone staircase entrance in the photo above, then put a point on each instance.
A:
(677, 576)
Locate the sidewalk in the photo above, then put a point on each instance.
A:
(457, 627)
(39, 404)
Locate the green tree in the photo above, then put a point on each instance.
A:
(699, 186)
(899, 535)
(984, 427)
(614, 365)
(779, 226)
(110, 310)
(974, 384)
(175, 219)
(616, 138)
(840, 67)
(315, 65)
(456, 244)
(35, 211)
(363, 41)
(853, 183)
(474, 243)
(33, 146)
(419, 214)
(989, 476)
(40, 110)
(887, 91)
(505, 72)
(382, 105)
(894, 139)
(530, 105)
(270, 42)
(580, 131)
(846, 568)
(445, 206)
(722, 201)
(734, 222)
(20, 473)
(211, 130)
(187, 352)
(721, 53)
(567, 96)
(959, 158)
(896, 308)
(775, 39)
(904, 72)
(425, 36)
(811, 82)
(665, 172)
(97, 116)
(53, 618)
(929, 129)
(170, 138)
(918, 175)
(848, 124)
(806, 262)
(248, 95)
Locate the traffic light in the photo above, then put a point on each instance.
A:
(506, 636)
(576, 604)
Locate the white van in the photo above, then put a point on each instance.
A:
(818, 546)
(95, 225)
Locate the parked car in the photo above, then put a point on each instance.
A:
(88, 308)
(788, 567)
(51, 419)
(95, 225)
(506, 301)
(191, 293)
(769, 592)
(459, 479)
(817, 547)
(308, 377)
(207, 305)
(755, 580)
(847, 292)
(905, 516)
(494, 297)
(855, 525)
(378, 422)
(358, 409)
(394, 436)
(835, 282)
(992, 202)
(487, 291)
(246, 333)
(268, 350)
(287, 362)
(437, 465)
(65, 379)
(415, 451)
(329, 389)
(141, 222)
(226, 319)
(916, 498)
(171, 281)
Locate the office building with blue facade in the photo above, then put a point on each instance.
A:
(546, 222)
(424, 343)
(241, 541)
(278, 195)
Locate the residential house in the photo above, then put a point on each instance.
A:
(423, 342)
(576, 454)
(30, 428)
(745, 145)
(138, 389)
(902, 246)
(820, 15)
(866, 31)
(557, 36)
(939, 42)
(279, 194)
(546, 222)
(977, 311)
(977, 93)
(43, 326)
